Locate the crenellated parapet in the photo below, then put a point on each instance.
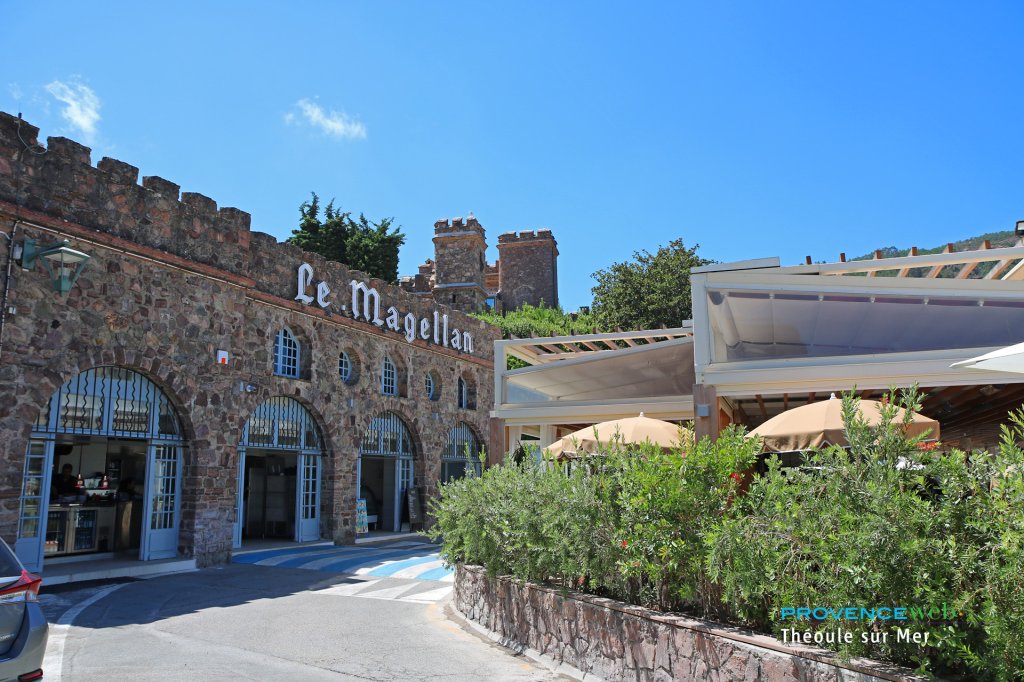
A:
(59, 179)
(59, 182)
(525, 236)
(459, 227)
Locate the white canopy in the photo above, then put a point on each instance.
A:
(1009, 359)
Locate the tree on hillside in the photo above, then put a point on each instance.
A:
(527, 321)
(357, 242)
(651, 290)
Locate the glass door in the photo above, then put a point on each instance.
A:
(405, 481)
(307, 501)
(163, 497)
(35, 498)
(240, 501)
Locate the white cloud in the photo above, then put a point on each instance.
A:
(15, 91)
(337, 124)
(81, 107)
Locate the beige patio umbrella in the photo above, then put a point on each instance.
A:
(630, 430)
(821, 423)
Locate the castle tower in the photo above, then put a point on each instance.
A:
(528, 269)
(460, 260)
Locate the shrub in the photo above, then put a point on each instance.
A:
(885, 523)
(533, 522)
(666, 502)
(627, 523)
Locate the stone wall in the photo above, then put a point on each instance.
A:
(460, 277)
(460, 260)
(528, 271)
(172, 280)
(606, 639)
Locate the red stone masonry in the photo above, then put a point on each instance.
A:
(529, 268)
(606, 639)
(172, 279)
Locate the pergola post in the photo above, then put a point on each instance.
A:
(706, 420)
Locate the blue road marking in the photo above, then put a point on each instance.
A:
(348, 559)
(391, 569)
(436, 574)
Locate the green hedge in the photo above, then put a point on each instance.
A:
(885, 523)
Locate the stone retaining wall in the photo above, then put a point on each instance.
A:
(607, 639)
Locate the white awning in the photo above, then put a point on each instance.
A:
(1009, 359)
(654, 370)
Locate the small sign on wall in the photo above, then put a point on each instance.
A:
(222, 357)
(361, 521)
(413, 501)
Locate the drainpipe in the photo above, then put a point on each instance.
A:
(7, 281)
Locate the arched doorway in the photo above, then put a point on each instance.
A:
(102, 471)
(461, 453)
(279, 467)
(385, 470)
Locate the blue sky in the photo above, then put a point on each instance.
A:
(754, 129)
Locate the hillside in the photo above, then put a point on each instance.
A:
(996, 240)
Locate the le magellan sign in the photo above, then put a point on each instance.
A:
(365, 304)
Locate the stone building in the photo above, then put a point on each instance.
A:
(459, 276)
(203, 384)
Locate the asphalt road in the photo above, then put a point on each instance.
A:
(252, 622)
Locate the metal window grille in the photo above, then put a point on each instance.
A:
(282, 423)
(388, 377)
(345, 367)
(111, 401)
(165, 487)
(461, 438)
(462, 451)
(286, 354)
(387, 436)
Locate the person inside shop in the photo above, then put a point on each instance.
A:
(67, 484)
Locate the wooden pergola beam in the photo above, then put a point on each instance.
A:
(878, 256)
(968, 268)
(742, 414)
(934, 272)
(906, 271)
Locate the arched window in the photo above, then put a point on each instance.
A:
(388, 377)
(387, 436)
(282, 423)
(348, 366)
(344, 367)
(286, 354)
(467, 394)
(114, 401)
(461, 454)
(432, 385)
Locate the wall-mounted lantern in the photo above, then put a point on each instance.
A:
(63, 264)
